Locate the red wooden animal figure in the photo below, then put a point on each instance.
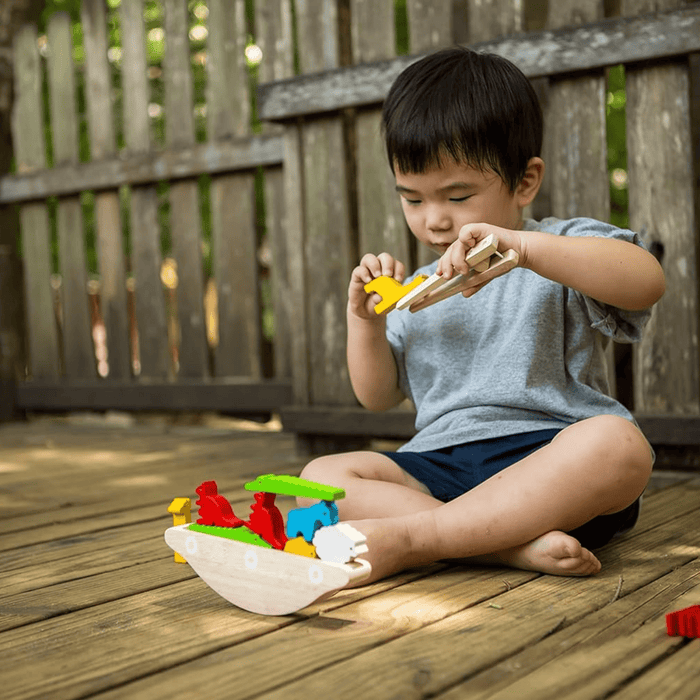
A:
(267, 521)
(214, 509)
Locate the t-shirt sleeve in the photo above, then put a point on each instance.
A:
(620, 325)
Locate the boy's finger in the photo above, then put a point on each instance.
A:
(388, 264)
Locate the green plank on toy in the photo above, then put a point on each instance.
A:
(240, 534)
(286, 485)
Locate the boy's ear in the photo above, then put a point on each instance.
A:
(532, 181)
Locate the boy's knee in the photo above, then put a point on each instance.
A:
(626, 447)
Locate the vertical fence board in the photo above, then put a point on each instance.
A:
(489, 19)
(185, 219)
(110, 251)
(78, 353)
(328, 262)
(145, 234)
(273, 34)
(28, 137)
(575, 133)
(232, 198)
(429, 24)
(380, 218)
(429, 29)
(662, 207)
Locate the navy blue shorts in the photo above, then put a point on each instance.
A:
(452, 471)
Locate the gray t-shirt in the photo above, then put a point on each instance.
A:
(523, 354)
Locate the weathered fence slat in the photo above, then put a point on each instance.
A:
(575, 137)
(146, 257)
(661, 204)
(184, 195)
(380, 219)
(273, 34)
(78, 352)
(429, 24)
(327, 245)
(537, 54)
(489, 19)
(28, 136)
(430, 28)
(141, 169)
(110, 251)
(232, 197)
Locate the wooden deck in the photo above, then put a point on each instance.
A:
(92, 604)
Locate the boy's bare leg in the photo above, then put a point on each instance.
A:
(518, 517)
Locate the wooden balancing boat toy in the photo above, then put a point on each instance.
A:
(259, 564)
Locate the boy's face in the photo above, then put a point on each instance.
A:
(438, 202)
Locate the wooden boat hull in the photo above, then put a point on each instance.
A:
(264, 581)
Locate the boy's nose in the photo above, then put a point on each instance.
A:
(436, 219)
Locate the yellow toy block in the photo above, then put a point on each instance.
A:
(300, 546)
(181, 508)
(391, 290)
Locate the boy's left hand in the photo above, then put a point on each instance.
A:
(454, 260)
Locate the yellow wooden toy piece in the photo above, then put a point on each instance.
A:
(181, 509)
(391, 290)
(299, 545)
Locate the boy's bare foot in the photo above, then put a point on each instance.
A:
(387, 544)
(553, 553)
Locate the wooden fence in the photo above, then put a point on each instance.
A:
(329, 193)
(158, 355)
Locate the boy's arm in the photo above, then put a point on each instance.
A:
(608, 270)
(611, 271)
(373, 372)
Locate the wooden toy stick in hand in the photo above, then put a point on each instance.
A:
(484, 256)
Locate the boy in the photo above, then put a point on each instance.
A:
(520, 458)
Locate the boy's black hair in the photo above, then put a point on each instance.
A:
(478, 109)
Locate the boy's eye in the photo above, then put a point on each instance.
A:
(412, 201)
(460, 199)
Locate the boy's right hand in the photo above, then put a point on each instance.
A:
(360, 303)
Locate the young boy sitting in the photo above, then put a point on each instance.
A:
(521, 456)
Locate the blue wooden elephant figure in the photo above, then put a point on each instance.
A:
(305, 521)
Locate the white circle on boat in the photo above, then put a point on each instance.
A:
(251, 559)
(191, 545)
(315, 574)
